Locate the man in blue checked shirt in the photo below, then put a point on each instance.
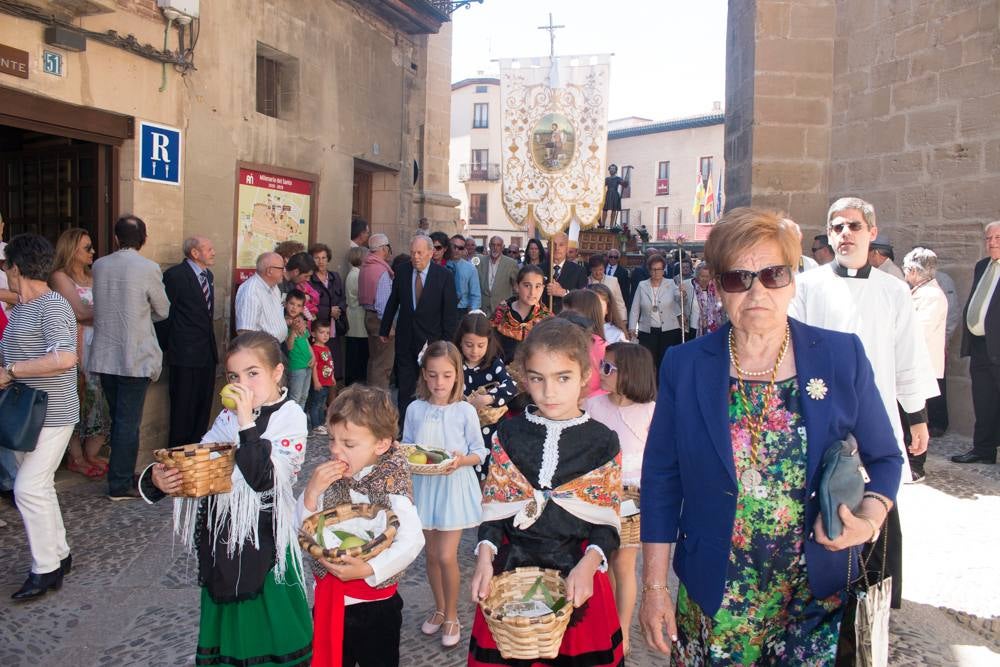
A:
(466, 277)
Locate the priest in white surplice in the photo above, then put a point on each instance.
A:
(848, 295)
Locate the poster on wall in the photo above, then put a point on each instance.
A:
(270, 208)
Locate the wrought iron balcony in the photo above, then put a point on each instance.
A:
(479, 172)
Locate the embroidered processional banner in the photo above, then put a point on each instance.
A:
(554, 140)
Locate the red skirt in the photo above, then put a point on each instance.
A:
(595, 640)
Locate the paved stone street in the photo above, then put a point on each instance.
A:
(132, 597)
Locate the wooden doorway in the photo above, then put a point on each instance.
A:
(49, 184)
(361, 204)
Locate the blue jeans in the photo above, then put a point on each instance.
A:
(126, 397)
(299, 382)
(8, 468)
(316, 407)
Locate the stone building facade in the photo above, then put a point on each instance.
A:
(350, 97)
(895, 101)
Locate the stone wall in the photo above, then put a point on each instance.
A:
(897, 101)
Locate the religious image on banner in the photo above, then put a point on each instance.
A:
(554, 140)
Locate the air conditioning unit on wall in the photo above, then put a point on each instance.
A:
(187, 8)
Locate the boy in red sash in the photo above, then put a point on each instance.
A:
(358, 613)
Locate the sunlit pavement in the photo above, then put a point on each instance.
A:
(132, 598)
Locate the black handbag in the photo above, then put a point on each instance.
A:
(842, 482)
(22, 414)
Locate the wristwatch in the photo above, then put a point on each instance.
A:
(10, 370)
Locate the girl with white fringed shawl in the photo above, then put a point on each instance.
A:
(253, 602)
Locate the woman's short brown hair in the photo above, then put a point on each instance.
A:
(636, 371)
(369, 407)
(446, 349)
(743, 228)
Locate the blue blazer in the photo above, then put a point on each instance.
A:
(689, 483)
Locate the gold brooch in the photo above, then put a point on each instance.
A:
(816, 389)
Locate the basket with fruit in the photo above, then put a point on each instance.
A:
(358, 530)
(427, 461)
(206, 468)
(489, 414)
(527, 613)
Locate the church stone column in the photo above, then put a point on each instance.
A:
(779, 86)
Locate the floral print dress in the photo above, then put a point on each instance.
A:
(95, 418)
(768, 614)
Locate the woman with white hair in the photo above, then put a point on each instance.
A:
(931, 307)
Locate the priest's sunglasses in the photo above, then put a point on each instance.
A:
(740, 280)
(853, 225)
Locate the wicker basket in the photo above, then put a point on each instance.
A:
(442, 468)
(490, 414)
(520, 638)
(630, 524)
(339, 514)
(201, 473)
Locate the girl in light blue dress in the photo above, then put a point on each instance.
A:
(449, 503)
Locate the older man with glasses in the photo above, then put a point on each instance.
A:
(466, 276)
(615, 270)
(258, 299)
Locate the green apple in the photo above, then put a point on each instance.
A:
(228, 396)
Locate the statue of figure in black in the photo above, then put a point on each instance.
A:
(613, 187)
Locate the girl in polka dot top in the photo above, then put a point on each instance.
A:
(484, 367)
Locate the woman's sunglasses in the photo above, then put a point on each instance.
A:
(607, 368)
(740, 280)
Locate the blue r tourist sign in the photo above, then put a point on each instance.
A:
(159, 153)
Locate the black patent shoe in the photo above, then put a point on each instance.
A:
(66, 564)
(972, 456)
(38, 585)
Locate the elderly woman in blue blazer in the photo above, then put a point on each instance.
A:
(732, 468)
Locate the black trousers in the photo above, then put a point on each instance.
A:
(985, 377)
(917, 461)
(356, 363)
(191, 395)
(407, 372)
(371, 633)
(657, 341)
(937, 407)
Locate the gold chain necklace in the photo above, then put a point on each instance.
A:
(752, 478)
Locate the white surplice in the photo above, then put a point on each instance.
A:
(879, 309)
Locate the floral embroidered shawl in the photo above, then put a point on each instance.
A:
(594, 497)
(507, 322)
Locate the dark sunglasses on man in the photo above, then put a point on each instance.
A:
(853, 225)
(740, 280)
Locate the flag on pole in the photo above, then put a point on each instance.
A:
(718, 199)
(699, 197)
(709, 201)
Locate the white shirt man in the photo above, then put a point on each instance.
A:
(847, 295)
(258, 300)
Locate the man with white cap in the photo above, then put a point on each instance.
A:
(374, 287)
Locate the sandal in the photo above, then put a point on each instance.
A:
(429, 628)
(450, 640)
(84, 469)
(100, 466)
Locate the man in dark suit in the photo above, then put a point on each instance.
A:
(619, 273)
(566, 275)
(981, 342)
(188, 338)
(423, 295)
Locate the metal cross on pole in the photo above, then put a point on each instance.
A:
(552, 35)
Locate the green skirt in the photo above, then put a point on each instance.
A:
(273, 629)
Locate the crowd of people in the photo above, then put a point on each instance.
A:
(711, 384)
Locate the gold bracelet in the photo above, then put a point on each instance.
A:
(654, 587)
(880, 499)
